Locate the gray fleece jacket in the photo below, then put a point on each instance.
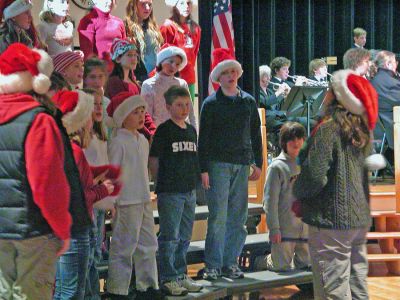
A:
(278, 198)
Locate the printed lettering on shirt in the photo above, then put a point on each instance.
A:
(184, 146)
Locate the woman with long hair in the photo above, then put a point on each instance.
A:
(141, 25)
(333, 188)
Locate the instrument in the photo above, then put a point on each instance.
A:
(304, 81)
(284, 86)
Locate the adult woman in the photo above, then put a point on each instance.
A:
(181, 31)
(141, 25)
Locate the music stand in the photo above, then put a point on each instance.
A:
(304, 101)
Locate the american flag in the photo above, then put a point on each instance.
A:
(222, 32)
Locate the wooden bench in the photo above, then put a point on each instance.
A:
(209, 292)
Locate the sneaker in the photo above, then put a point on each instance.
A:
(232, 272)
(150, 293)
(174, 288)
(191, 285)
(210, 274)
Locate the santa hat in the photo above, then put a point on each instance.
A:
(174, 2)
(65, 59)
(168, 51)
(223, 60)
(121, 106)
(57, 7)
(23, 70)
(76, 107)
(12, 8)
(356, 94)
(120, 47)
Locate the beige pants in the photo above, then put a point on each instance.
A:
(339, 263)
(28, 268)
(133, 243)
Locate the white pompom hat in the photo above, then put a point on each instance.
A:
(174, 2)
(168, 51)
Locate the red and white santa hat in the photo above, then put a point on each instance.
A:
(175, 2)
(121, 105)
(76, 107)
(65, 59)
(223, 60)
(167, 51)
(12, 8)
(23, 70)
(356, 94)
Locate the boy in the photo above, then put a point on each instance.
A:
(173, 161)
(133, 240)
(360, 37)
(287, 233)
(318, 70)
(229, 143)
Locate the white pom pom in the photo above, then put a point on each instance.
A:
(41, 84)
(375, 162)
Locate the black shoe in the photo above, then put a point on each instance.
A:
(150, 294)
(117, 297)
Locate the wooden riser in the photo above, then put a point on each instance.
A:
(383, 257)
(383, 235)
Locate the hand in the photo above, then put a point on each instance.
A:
(64, 247)
(205, 180)
(256, 173)
(282, 90)
(109, 185)
(301, 80)
(100, 178)
(275, 238)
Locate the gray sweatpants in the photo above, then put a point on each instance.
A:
(133, 243)
(339, 263)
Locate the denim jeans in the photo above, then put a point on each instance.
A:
(92, 290)
(177, 213)
(72, 268)
(227, 204)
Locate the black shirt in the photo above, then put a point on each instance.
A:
(176, 149)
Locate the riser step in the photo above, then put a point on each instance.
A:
(383, 235)
(383, 257)
(384, 213)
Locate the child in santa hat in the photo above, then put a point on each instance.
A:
(125, 56)
(170, 60)
(333, 188)
(72, 267)
(229, 143)
(70, 65)
(133, 227)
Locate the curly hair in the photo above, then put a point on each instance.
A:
(279, 62)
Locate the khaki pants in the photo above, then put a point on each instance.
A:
(339, 263)
(28, 267)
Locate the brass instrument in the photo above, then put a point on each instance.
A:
(276, 86)
(304, 81)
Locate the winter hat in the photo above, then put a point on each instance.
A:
(65, 59)
(356, 94)
(174, 2)
(120, 47)
(58, 7)
(23, 70)
(76, 107)
(12, 8)
(223, 60)
(121, 105)
(168, 51)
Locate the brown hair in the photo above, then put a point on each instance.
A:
(176, 18)
(358, 31)
(353, 57)
(279, 62)
(289, 132)
(93, 63)
(315, 64)
(174, 92)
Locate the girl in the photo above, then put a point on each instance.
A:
(181, 31)
(141, 25)
(72, 267)
(170, 60)
(333, 188)
(55, 27)
(70, 65)
(125, 57)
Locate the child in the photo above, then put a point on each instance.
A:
(182, 31)
(72, 267)
(360, 37)
(55, 28)
(125, 56)
(170, 60)
(333, 188)
(318, 70)
(173, 161)
(229, 143)
(133, 239)
(70, 65)
(287, 233)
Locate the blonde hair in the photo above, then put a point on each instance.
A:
(358, 31)
(98, 127)
(353, 57)
(315, 64)
(383, 57)
(47, 16)
(134, 28)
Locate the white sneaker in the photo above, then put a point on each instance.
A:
(174, 288)
(191, 285)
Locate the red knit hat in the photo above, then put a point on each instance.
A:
(23, 70)
(356, 94)
(121, 46)
(121, 105)
(223, 59)
(76, 107)
(65, 59)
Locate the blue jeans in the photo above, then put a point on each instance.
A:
(177, 213)
(227, 204)
(72, 268)
(92, 291)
